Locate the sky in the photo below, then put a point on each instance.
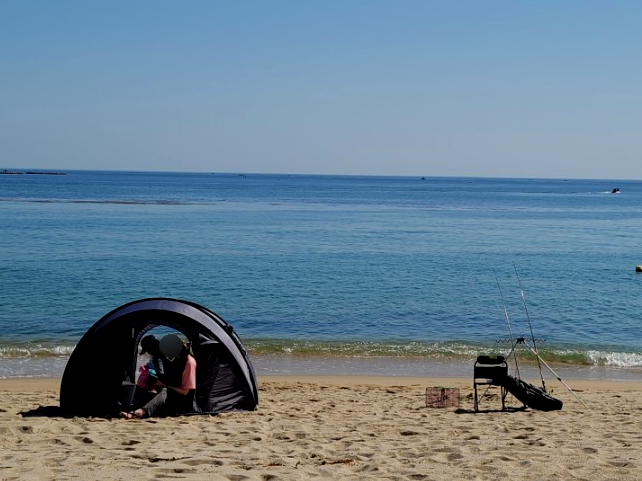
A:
(509, 88)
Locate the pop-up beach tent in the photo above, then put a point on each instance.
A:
(92, 383)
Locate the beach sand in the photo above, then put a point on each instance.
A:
(332, 427)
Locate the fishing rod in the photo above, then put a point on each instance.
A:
(510, 330)
(557, 376)
(530, 326)
(534, 348)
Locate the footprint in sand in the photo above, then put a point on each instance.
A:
(84, 439)
(203, 461)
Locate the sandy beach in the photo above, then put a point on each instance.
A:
(332, 427)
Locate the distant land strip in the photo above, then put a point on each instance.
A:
(15, 172)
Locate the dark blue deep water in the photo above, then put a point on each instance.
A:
(361, 266)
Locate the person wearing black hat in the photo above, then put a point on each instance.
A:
(151, 372)
(150, 345)
(176, 390)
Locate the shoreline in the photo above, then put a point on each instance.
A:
(333, 365)
(277, 365)
(578, 384)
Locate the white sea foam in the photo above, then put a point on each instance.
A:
(40, 350)
(615, 359)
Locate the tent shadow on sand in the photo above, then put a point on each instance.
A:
(57, 412)
(103, 364)
(45, 412)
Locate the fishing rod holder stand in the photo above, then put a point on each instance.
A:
(520, 340)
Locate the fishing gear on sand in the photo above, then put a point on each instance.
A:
(558, 378)
(521, 340)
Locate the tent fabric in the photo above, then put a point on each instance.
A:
(105, 359)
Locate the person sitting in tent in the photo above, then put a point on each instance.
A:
(151, 372)
(175, 393)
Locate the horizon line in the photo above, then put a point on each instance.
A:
(8, 170)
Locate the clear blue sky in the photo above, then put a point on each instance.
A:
(474, 88)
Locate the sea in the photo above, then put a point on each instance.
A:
(331, 274)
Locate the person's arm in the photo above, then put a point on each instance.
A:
(179, 389)
(188, 381)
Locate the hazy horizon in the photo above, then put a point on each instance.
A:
(24, 170)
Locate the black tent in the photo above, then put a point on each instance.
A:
(107, 354)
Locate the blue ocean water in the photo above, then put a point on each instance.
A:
(404, 267)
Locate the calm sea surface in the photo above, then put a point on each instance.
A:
(329, 266)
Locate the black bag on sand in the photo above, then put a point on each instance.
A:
(530, 395)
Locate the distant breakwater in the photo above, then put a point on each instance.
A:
(15, 172)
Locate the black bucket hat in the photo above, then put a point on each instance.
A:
(149, 344)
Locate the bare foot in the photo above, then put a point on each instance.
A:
(138, 414)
